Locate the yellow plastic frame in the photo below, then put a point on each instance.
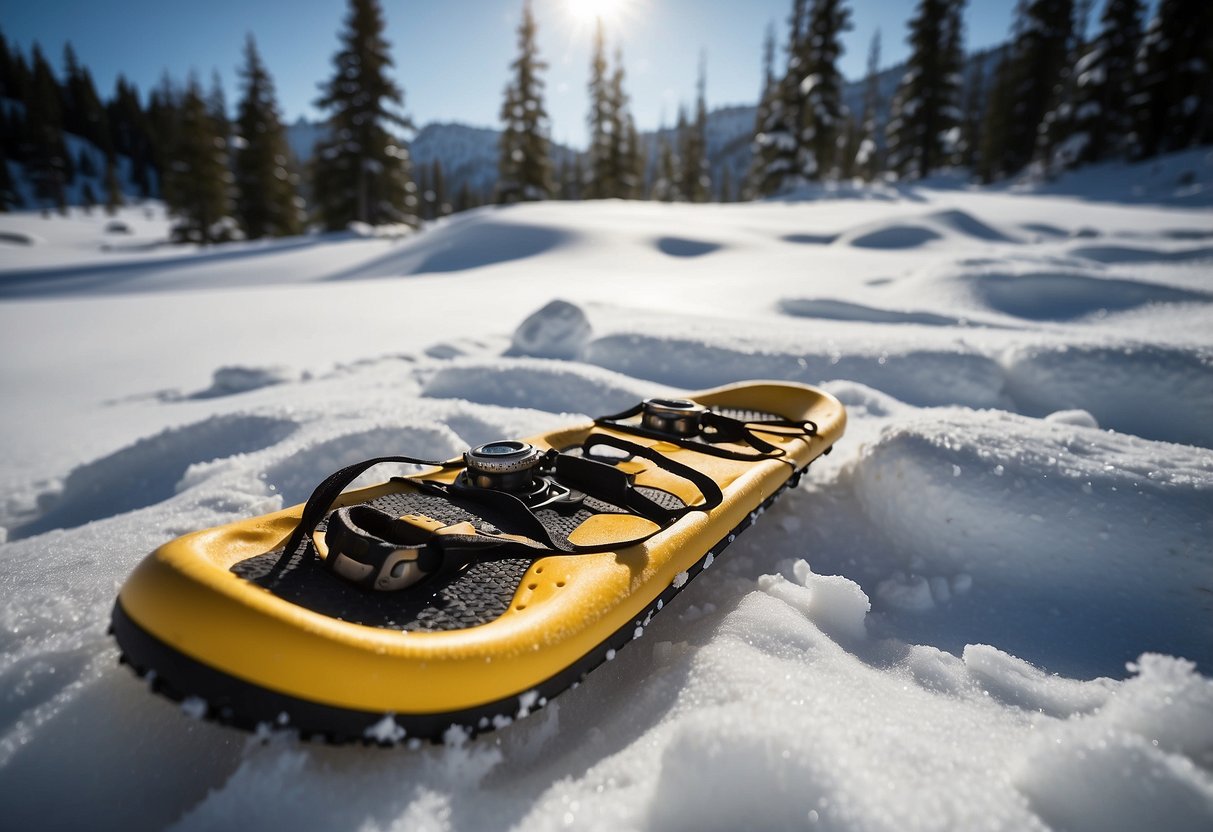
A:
(185, 595)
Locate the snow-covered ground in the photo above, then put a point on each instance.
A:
(991, 607)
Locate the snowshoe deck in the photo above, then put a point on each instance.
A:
(253, 623)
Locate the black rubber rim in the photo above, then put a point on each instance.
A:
(241, 704)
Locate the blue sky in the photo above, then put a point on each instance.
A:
(452, 57)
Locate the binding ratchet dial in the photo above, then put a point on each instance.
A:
(507, 465)
(679, 417)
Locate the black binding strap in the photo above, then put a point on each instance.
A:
(327, 492)
(722, 429)
(371, 537)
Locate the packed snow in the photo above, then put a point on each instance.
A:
(991, 607)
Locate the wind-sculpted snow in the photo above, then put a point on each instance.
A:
(989, 607)
(955, 375)
(1157, 392)
(553, 386)
(1022, 509)
(1061, 296)
(838, 310)
(954, 225)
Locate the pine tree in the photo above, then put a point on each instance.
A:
(216, 107)
(361, 172)
(130, 134)
(113, 190)
(14, 84)
(820, 85)
(867, 159)
(632, 157)
(1174, 105)
(626, 164)
(196, 179)
(525, 167)
(425, 193)
(726, 186)
(780, 142)
(44, 151)
(696, 178)
(924, 127)
(973, 112)
(761, 146)
(267, 202)
(665, 180)
(9, 198)
(1095, 121)
(1036, 72)
(83, 113)
(993, 156)
(576, 178)
(601, 177)
(163, 119)
(438, 181)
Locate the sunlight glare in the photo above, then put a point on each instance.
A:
(589, 11)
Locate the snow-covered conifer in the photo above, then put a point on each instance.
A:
(696, 177)
(362, 171)
(924, 126)
(524, 166)
(1174, 103)
(601, 177)
(1095, 120)
(819, 84)
(43, 149)
(267, 201)
(113, 190)
(762, 148)
(867, 159)
(778, 143)
(1039, 56)
(665, 182)
(196, 179)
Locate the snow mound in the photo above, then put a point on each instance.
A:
(1022, 507)
(228, 381)
(1163, 393)
(558, 330)
(1078, 418)
(461, 244)
(1127, 757)
(952, 374)
(537, 383)
(953, 224)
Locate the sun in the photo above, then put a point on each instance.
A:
(590, 11)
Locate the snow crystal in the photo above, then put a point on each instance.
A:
(386, 731)
(194, 707)
(1079, 418)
